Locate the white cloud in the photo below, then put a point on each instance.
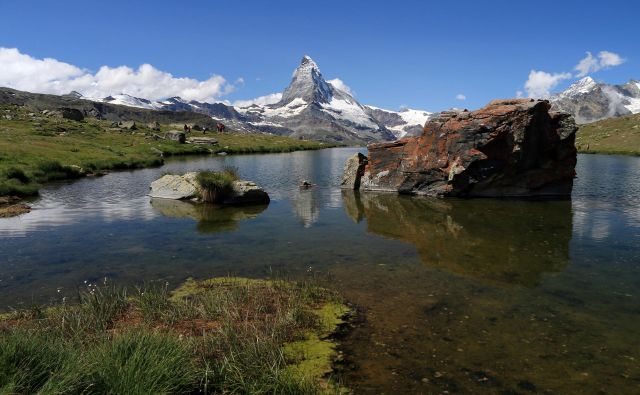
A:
(461, 97)
(339, 84)
(540, 83)
(519, 94)
(262, 100)
(591, 64)
(610, 59)
(23, 72)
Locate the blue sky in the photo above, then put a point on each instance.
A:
(420, 54)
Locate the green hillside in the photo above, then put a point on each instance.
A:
(610, 136)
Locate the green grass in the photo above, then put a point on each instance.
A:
(619, 136)
(216, 185)
(224, 335)
(37, 149)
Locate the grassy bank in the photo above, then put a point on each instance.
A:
(35, 149)
(225, 335)
(619, 136)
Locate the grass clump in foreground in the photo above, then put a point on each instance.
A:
(620, 135)
(224, 335)
(216, 185)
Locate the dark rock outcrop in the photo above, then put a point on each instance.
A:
(67, 113)
(510, 148)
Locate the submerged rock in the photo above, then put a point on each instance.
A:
(510, 148)
(14, 210)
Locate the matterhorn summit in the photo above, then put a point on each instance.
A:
(307, 84)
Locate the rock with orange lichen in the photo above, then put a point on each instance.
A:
(510, 148)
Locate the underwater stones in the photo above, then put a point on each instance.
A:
(14, 210)
(510, 148)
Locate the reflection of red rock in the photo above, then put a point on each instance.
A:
(494, 241)
(508, 148)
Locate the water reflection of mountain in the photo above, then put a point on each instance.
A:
(495, 240)
(211, 218)
(306, 205)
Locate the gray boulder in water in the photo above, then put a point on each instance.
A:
(177, 187)
(181, 187)
(353, 171)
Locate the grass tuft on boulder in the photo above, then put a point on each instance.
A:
(216, 185)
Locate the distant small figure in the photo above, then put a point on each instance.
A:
(306, 184)
(221, 128)
(186, 128)
(189, 127)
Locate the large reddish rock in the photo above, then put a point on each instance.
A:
(510, 148)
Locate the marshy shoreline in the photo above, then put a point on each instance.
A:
(222, 335)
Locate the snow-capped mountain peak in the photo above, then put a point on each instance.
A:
(307, 84)
(407, 122)
(581, 87)
(309, 108)
(589, 101)
(124, 99)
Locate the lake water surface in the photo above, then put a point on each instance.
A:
(464, 296)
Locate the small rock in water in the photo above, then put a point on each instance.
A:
(306, 184)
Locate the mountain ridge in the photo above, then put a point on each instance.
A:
(310, 108)
(589, 101)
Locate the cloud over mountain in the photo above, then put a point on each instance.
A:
(541, 83)
(591, 64)
(24, 72)
(261, 101)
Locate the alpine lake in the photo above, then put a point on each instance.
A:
(453, 296)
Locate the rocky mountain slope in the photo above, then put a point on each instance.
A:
(589, 101)
(403, 123)
(101, 110)
(310, 108)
